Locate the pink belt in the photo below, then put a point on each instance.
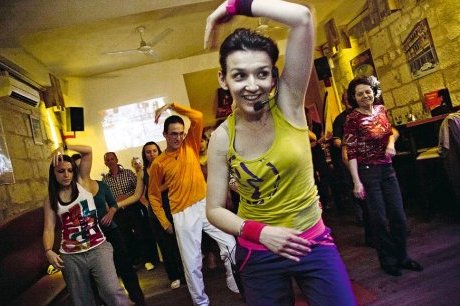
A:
(318, 234)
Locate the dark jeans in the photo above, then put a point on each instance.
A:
(124, 266)
(386, 212)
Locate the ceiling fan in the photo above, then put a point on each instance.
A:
(263, 26)
(144, 47)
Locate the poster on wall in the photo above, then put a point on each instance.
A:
(420, 51)
(6, 167)
(363, 64)
(224, 103)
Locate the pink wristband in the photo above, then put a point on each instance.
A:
(251, 230)
(231, 7)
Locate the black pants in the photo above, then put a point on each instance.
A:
(168, 245)
(124, 266)
(140, 240)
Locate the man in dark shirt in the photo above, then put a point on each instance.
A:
(132, 220)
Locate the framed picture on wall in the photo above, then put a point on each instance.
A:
(420, 52)
(363, 64)
(36, 129)
(6, 167)
(224, 103)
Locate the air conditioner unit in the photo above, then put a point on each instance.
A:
(20, 91)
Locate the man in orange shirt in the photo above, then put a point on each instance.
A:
(178, 170)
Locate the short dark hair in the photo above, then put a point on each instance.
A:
(108, 153)
(245, 39)
(171, 120)
(363, 80)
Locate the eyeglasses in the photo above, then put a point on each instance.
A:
(176, 134)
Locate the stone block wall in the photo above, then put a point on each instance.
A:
(30, 160)
(401, 93)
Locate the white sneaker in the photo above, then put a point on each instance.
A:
(231, 284)
(149, 266)
(175, 284)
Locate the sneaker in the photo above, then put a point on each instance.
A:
(231, 284)
(149, 266)
(411, 265)
(175, 284)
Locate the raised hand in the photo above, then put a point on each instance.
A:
(159, 111)
(56, 156)
(218, 16)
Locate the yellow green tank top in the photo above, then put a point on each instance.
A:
(278, 187)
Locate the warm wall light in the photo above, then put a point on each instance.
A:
(51, 125)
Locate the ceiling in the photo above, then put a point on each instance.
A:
(71, 37)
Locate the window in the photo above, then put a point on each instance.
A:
(133, 125)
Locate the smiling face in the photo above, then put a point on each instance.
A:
(174, 136)
(249, 78)
(64, 173)
(151, 152)
(364, 96)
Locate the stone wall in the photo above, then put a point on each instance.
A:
(403, 94)
(30, 160)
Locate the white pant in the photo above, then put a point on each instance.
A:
(188, 225)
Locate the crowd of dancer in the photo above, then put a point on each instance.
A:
(245, 185)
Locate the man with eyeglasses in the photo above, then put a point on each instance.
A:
(178, 170)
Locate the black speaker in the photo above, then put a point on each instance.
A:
(75, 119)
(322, 68)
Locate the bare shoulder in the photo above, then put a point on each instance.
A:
(218, 144)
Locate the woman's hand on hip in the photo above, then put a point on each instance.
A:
(285, 242)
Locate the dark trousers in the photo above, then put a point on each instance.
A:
(140, 240)
(124, 266)
(386, 212)
(167, 243)
(321, 275)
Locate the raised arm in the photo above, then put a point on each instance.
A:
(84, 170)
(299, 50)
(196, 122)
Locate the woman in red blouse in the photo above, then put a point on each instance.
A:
(370, 144)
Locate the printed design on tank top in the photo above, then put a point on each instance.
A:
(255, 182)
(80, 228)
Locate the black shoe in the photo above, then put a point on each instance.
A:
(392, 270)
(411, 265)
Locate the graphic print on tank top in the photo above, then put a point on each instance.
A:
(81, 230)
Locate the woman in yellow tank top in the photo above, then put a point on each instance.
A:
(264, 145)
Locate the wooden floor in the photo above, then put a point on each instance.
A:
(435, 244)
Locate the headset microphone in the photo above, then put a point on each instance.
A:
(260, 104)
